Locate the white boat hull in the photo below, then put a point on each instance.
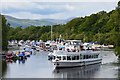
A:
(63, 64)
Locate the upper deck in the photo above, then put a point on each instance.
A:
(63, 53)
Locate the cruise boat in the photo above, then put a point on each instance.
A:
(74, 59)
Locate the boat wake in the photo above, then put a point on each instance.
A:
(108, 57)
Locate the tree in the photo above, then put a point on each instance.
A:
(118, 4)
(117, 31)
(44, 37)
(4, 33)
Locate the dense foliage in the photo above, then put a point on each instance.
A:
(4, 31)
(117, 30)
(102, 27)
(96, 27)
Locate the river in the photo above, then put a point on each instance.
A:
(38, 66)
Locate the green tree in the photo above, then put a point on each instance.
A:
(117, 31)
(44, 37)
(4, 33)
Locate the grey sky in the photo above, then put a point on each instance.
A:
(54, 10)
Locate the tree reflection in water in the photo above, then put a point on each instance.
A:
(4, 67)
(118, 69)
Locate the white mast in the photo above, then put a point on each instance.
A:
(51, 32)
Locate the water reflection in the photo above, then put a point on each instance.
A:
(16, 61)
(4, 67)
(10, 61)
(118, 69)
(78, 72)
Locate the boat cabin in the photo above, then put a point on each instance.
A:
(75, 56)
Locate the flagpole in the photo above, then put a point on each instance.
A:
(51, 32)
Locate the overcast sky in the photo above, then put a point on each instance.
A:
(53, 10)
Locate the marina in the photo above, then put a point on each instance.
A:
(41, 41)
(61, 59)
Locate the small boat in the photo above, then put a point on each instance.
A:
(9, 55)
(27, 54)
(19, 55)
(22, 56)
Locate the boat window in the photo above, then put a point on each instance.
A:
(47, 45)
(92, 56)
(84, 56)
(59, 57)
(68, 58)
(73, 57)
(77, 57)
(89, 56)
(53, 57)
(95, 56)
(80, 56)
(64, 57)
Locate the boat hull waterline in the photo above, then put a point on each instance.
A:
(69, 64)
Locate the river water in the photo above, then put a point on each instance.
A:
(38, 66)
